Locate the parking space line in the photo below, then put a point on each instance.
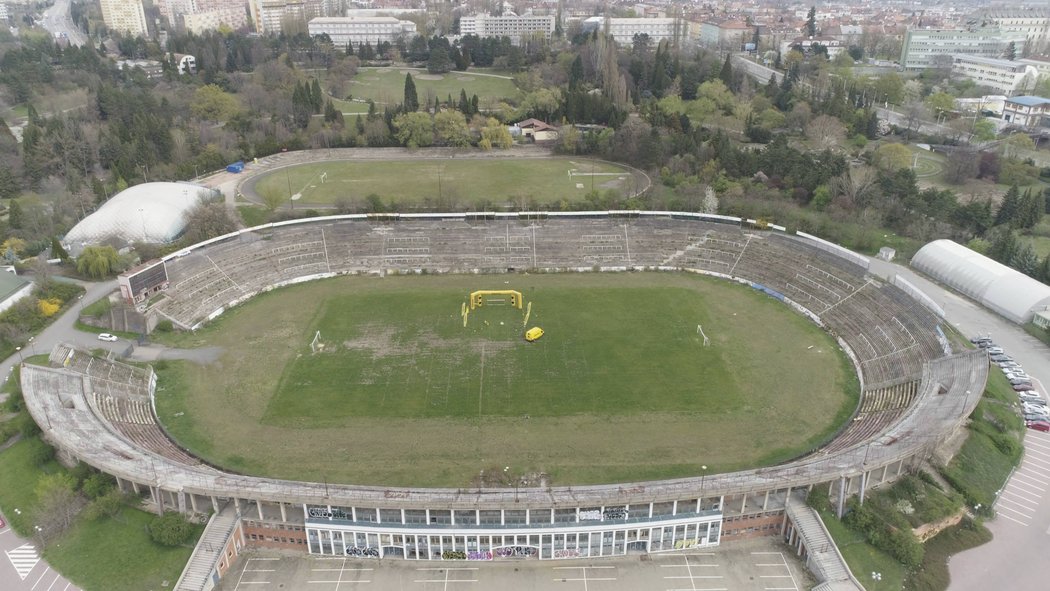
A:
(1024, 485)
(1034, 477)
(1046, 455)
(1032, 498)
(1011, 501)
(40, 579)
(1007, 517)
(1029, 443)
(1022, 513)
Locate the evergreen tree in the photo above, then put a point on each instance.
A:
(576, 74)
(316, 96)
(411, 102)
(771, 87)
(464, 103)
(1031, 210)
(1011, 51)
(439, 62)
(349, 47)
(1010, 207)
(58, 252)
(1004, 246)
(811, 22)
(1043, 273)
(871, 126)
(15, 217)
(726, 74)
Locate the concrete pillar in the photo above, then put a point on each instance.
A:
(900, 466)
(842, 497)
(284, 513)
(743, 503)
(215, 504)
(193, 503)
(181, 501)
(237, 504)
(158, 499)
(258, 505)
(863, 485)
(135, 487)
(884, 469)
(765, 501)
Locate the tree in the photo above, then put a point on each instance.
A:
(983, 130)
(451, 129)
(495, 135)
(940, 103)
(439, 62)
(411, 101)
(208, 220)
(825, 132)
(576, 74)
(890, 157)
(170, 529)
(811, 22)
(961, 167)
(214, 104)
(1010, 208)
(726, 73)
(98, 261)
(414, 130)
(57, 504)
(58, 252)
(1011, 51)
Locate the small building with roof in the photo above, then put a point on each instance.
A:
(13, 288)
(1027, 111)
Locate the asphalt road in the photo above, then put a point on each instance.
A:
(22, 569)
(57, 22)
(1015, 557)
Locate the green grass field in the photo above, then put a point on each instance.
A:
(449, 183)
(386, 86)
(619, 389)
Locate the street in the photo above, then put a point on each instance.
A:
(58, 23)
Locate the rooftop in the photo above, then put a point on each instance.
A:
(1029, 101)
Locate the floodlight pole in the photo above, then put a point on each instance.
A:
(703, 476)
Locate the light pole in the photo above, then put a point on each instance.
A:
(703, 476)
(20, 360)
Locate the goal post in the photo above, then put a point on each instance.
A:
(478, 298)
(316, 344)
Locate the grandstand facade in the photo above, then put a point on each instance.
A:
(915, 390)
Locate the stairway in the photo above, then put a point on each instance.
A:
(198, 570)
(824, 559)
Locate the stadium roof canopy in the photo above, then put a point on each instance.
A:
(150, 212)
(994, 285)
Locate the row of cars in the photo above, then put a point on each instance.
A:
(1034, 408)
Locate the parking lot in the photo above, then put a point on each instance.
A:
(754, 565)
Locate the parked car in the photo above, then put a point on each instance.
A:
(1001, 357)
(985, 344)
(1029, 395)
(995, 350)
(979, 338)
(107, 337)
(1024, 388)
(1043, 426)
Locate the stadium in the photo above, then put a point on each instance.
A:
(915, 390)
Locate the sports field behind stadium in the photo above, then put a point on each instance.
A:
(620, 388)
(450, 183)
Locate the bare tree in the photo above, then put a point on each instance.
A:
(914, 113)
(857, 185)
(825, 132)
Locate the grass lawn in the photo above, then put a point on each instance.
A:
(253, 215)
(17, 487)
(993, 447)
(933, 574)
(451, 183)
(386, 86)
(620, 388)
(118, 555)
(863, 558)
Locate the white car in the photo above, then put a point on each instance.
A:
(107, 337)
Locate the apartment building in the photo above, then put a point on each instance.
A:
(361, 29)
(623, 30)
(507, 25)
(1032, 23)
(1002, 76)
(125, 16)
(931, 48)
(1027, 111)
(725, 34)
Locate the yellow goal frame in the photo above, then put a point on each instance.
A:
(477, 298)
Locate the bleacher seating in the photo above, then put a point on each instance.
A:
(890, 333)
(119, 394)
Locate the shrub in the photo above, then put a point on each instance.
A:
(170, 529)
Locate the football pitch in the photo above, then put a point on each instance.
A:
(449, 183)
(401, 393)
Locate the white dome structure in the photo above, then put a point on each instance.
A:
(150, 212)
(1005, 291)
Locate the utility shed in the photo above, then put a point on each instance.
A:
(1005, 291)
